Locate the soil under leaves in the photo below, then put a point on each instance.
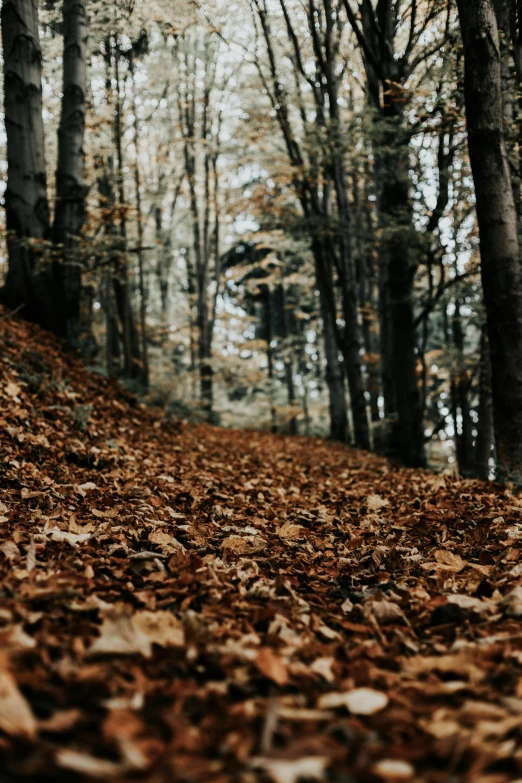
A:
(184, 603)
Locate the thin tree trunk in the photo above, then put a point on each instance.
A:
(334, 369)
(460, 386)
(287, 360)
(70, 188)
(498, 227)
(131, 343)
(484, 440)
(270, 357)
(107, 206)
(139, 221)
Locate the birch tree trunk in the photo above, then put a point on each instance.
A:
(27, 283)
(70, 188)
(497, 220)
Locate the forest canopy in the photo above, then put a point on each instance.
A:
(265, 213)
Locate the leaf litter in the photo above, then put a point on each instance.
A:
(185, 603)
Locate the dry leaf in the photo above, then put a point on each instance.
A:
(288, 530)
(244, 545)
(55, 534)
(283, 771)
(386, 612)
(10, 550)
(361, 701)
(271, 665)
(13, 639)
(446, 561)
(165, 541)
(121, 636)
(512, 602)
(393, 770)
(16, 717)
(376, 502)
(161, 628)
(12, 389)
(85, 764)
(323, 666)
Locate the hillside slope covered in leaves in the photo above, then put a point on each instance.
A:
(193, 604)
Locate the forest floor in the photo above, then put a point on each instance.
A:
(184, 603)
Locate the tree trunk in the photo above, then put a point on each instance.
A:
(139, 221)
(506, 22)
(484, 440)
(334, 369)
(28, 283)
(70, 189)
(461, 384)
(270, 356)
(205, 354)
(287, 360)
(498, 227)
(131, 342)
(398, 265)
(164, 251)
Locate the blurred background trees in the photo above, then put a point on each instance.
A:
(260, 213)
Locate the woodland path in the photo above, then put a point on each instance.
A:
(185, 603)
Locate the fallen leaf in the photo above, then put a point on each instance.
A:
(323, 666)
(376, 502)
(393, 770)
(244, 545)
(361, 701)
(12, 389)
(16, 716)
(119, 635)
(165, 541)
(288, 530)
(271, 665)
(85, 764)
(386, 612)
(13, 639)
(161, 628)
(283, 771)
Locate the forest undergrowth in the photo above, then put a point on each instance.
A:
(185, 603)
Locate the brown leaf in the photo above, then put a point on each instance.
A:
(291, 771)
(121, 636)
(16, 716)
(85, 764)
(271, 665)
(361, 701)
(164, 540)
(161, 628)
(244, 545)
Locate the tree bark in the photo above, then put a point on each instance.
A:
(334, 369)
(139, 221)
(484, 441)
(386, 73)
(28, 283)
(288, 362)
(498, 228)
(460, 385)
(70, 188)
(131, 341)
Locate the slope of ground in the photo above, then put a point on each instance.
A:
(194, 604)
